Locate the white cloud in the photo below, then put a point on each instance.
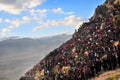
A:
(38, 20)
(58, 10)
(42, 11)
(33, 3)
(4, 31)
(14, 24)
(38, 13)
(33, 11)
(72, 20)
(17, 22)
(10, 8)
(0, 20)
(61, 11)
(40, 27)
(26, 19)
(7, 20)
(17, 6)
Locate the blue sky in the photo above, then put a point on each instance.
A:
(39, 18)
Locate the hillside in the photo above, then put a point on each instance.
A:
(93, 48)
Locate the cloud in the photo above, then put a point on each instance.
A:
(33, 11)
(41, 13)
(7, 20)
(40, 21)
(17, 6)
(0, 20)
(4, 31)
(33, 3)
(38, 28)
(71, 20)
(41, 27)
(60, 10)
(14, 24)
(26, 19)
(17, 22)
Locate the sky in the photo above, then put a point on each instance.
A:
(40, 18)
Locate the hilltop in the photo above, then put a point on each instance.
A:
(93, 48)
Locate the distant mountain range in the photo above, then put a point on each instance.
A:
(17, 55)
(15, 44)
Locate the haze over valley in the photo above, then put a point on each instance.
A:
(18, 55)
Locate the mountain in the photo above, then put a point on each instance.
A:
(93, 48)
(17, 55)
(28, 44)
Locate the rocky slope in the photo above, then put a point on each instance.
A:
(94, 47)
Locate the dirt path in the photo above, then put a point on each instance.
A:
(108, 74)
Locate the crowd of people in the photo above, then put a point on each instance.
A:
(94, 48)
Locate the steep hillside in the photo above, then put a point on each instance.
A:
(94, 48)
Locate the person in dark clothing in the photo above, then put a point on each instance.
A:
(114, 61)
(97, 66)
(78, 75)
(118, 54)
(89, 73)
(109, 61)
(82, 75)
(104, 64)
(60, 77)
(92, 68)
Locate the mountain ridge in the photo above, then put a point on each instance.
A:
(18, 37)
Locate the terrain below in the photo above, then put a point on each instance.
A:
(108, 74)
